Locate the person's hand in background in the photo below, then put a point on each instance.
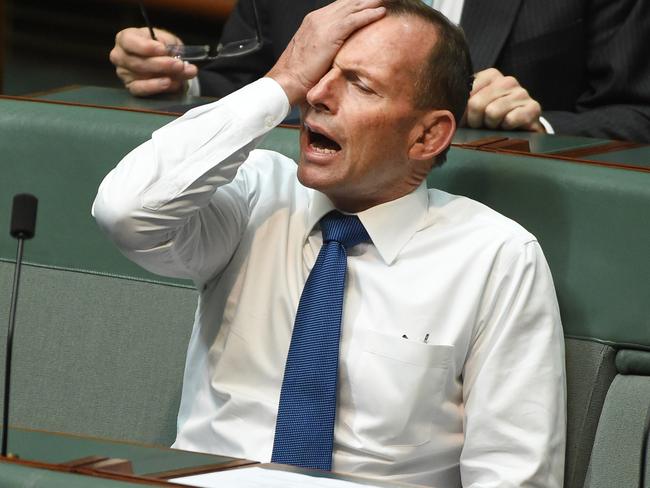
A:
(500, 102)
(144, 66)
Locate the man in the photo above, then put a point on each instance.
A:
(581, 60)
(447, 363)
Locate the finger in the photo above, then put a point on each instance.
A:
(498, 87)
(340, 19)
(337, 21)
(189, 71)
(515, 110)
(501, 94)
(476, 111)
(485, 78)
(499, 107)
(152, 67)
(166, 37)
(182, 70)
(154, 86)
(524, 117)
(138, 42)
(360, 19)
(185, 72)
(343, 10)
(495, 113)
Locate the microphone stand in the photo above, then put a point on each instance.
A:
(10, 341)
(23, 221)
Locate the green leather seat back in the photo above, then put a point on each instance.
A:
(620, 452)
(61, 153)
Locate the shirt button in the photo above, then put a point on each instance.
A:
(269, 121)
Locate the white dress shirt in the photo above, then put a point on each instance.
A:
(451, 361)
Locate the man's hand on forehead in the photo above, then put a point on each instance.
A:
(310, 53)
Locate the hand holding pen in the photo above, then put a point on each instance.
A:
(143, 64)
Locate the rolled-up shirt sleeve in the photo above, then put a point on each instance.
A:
(173, 204)
(514, 384)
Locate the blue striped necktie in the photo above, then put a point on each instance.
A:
(304, 430)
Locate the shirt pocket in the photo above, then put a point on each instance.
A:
(396, 387)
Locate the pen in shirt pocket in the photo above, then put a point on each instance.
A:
(426, 338)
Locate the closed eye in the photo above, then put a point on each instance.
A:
(363, 87)
(354, 79)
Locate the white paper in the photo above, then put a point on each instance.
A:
(263, 478)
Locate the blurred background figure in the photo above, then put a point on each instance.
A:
(577, 63)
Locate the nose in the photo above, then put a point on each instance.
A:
(323, 95)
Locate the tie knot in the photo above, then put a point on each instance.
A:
(345, 229)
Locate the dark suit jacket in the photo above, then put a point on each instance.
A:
(583, 60)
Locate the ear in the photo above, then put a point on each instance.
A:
(432, 134)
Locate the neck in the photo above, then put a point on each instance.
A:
(350, 203)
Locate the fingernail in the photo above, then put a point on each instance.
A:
(164, 83)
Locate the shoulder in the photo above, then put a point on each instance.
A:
(264, 164)
(492, 248)
(476, 224)
(270, 178)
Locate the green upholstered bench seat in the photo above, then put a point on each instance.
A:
(97, 354)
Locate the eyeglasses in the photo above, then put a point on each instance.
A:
(205, 52)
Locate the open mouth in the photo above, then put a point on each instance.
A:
(322, 143)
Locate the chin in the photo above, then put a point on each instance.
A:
(316, 177)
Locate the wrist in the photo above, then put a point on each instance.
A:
(292, 88)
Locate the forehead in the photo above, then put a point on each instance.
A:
(391, 49)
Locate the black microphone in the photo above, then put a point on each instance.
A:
(23, 216)
(23, 223)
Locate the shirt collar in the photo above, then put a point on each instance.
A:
(390, 225)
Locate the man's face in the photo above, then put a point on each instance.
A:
(359, 121)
